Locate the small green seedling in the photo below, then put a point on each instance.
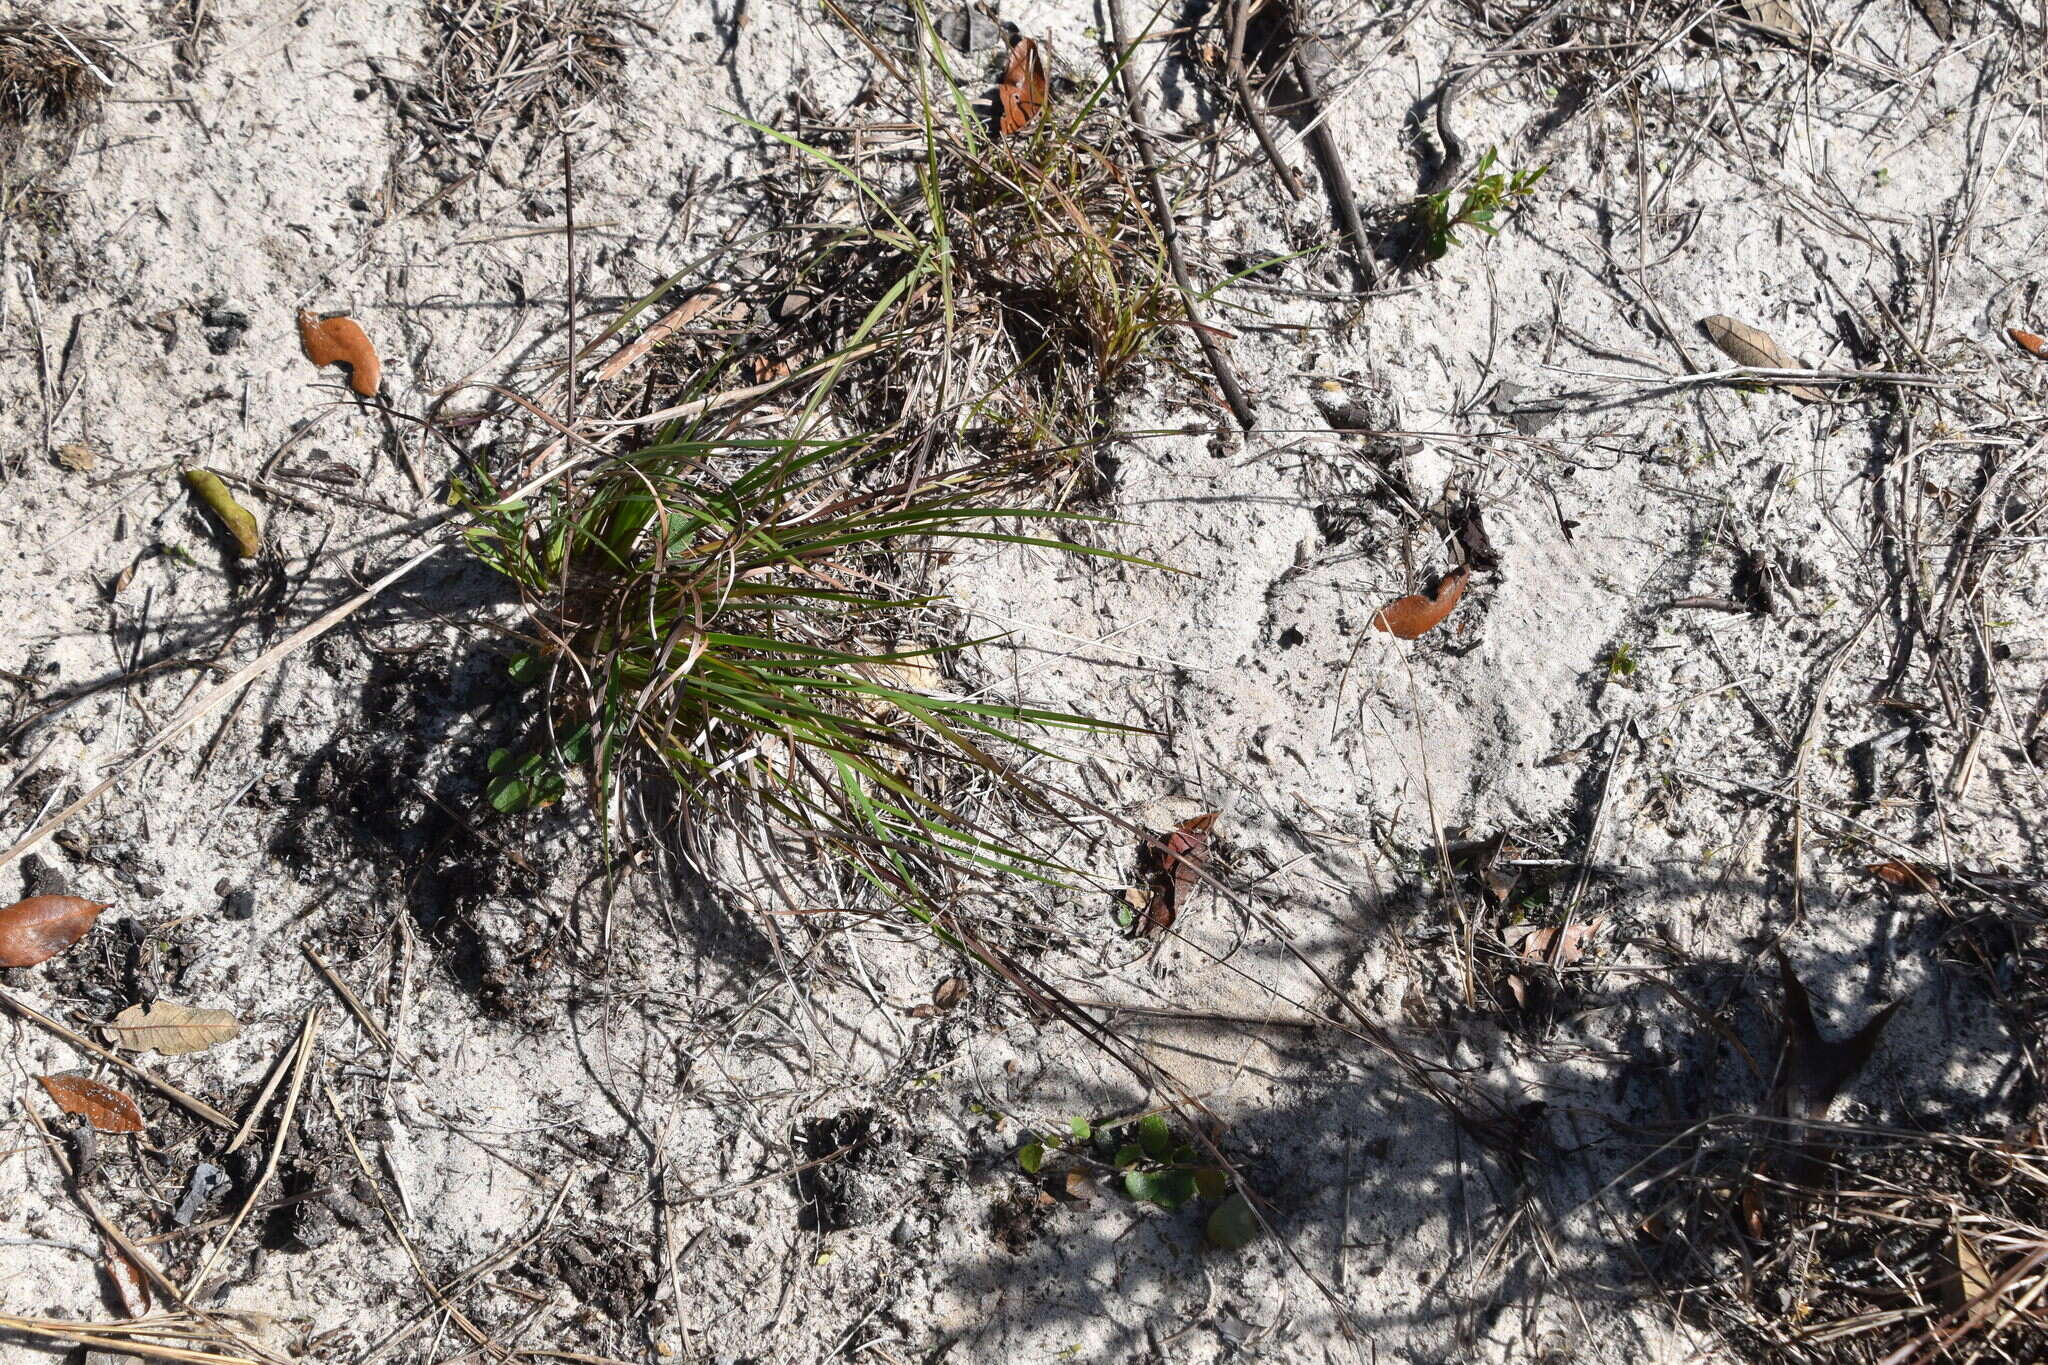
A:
(1486, 195)
(1621, 662)
(1158, 1166)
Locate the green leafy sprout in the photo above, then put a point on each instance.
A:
(1486, 196)
(1154, 1165)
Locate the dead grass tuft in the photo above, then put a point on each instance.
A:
(49, 71)
(1837, 1243)
(498, 67)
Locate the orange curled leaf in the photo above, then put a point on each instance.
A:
(1022, 92)
(39, 928)
(2032, 343)
(102, 1106)
(341, 340)
(1410, 616)
(1905, 876)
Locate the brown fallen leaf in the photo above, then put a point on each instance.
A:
(1906, 876)
(171, 1028)
(1745, 345)
(945, 996)
(2030, 342)
(1966, 1283)
(1021, 93)
(39, 928)
(1410, 616)
(102, 1106)
(1938, 17)
(341, 341)
(129, 1282)
(1177, 861)
(1780, 15)
(1559, 945)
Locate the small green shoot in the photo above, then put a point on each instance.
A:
(1486, 195)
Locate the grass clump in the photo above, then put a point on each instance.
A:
(49, 71)
(745, 614)
(738, 617)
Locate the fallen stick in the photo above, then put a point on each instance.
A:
(1219, 364)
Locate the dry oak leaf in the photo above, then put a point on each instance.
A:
(2030, 342)
(1559, 945)
(1179, 858)
(1906, 876)
(1779, 15)
(1408, 617)
(1021, 94)
(1938, 17)
(341, 340)
(102, 1106)
(171, 1028)
(39, 928)
(1745, 345)
(1966, 1285)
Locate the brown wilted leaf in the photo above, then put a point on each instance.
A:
(1966, 1284)
(1559, 945)
(1938, 17)
(1781, 16)
(1745, 345)
(341, 341)
(945, 996)
(37, 929)
(2030, 342)
(171, 1028)
(1906, 876)
(1177, 861)
(102, 1106)
(1408, 617)
(129, 1282)
(1021, 94)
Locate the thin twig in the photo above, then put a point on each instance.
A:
(1240, 16)
(1219, 364)
(171, 1092)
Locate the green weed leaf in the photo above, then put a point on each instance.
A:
(1233, 1225)
(1156, 1136)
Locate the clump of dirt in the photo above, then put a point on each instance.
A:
(857, 1177)
(1017, 1220)
(375, 798)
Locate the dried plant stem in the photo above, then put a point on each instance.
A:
(1219, 363)
(1240, 16)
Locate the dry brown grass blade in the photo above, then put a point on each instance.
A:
(122, 1339)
